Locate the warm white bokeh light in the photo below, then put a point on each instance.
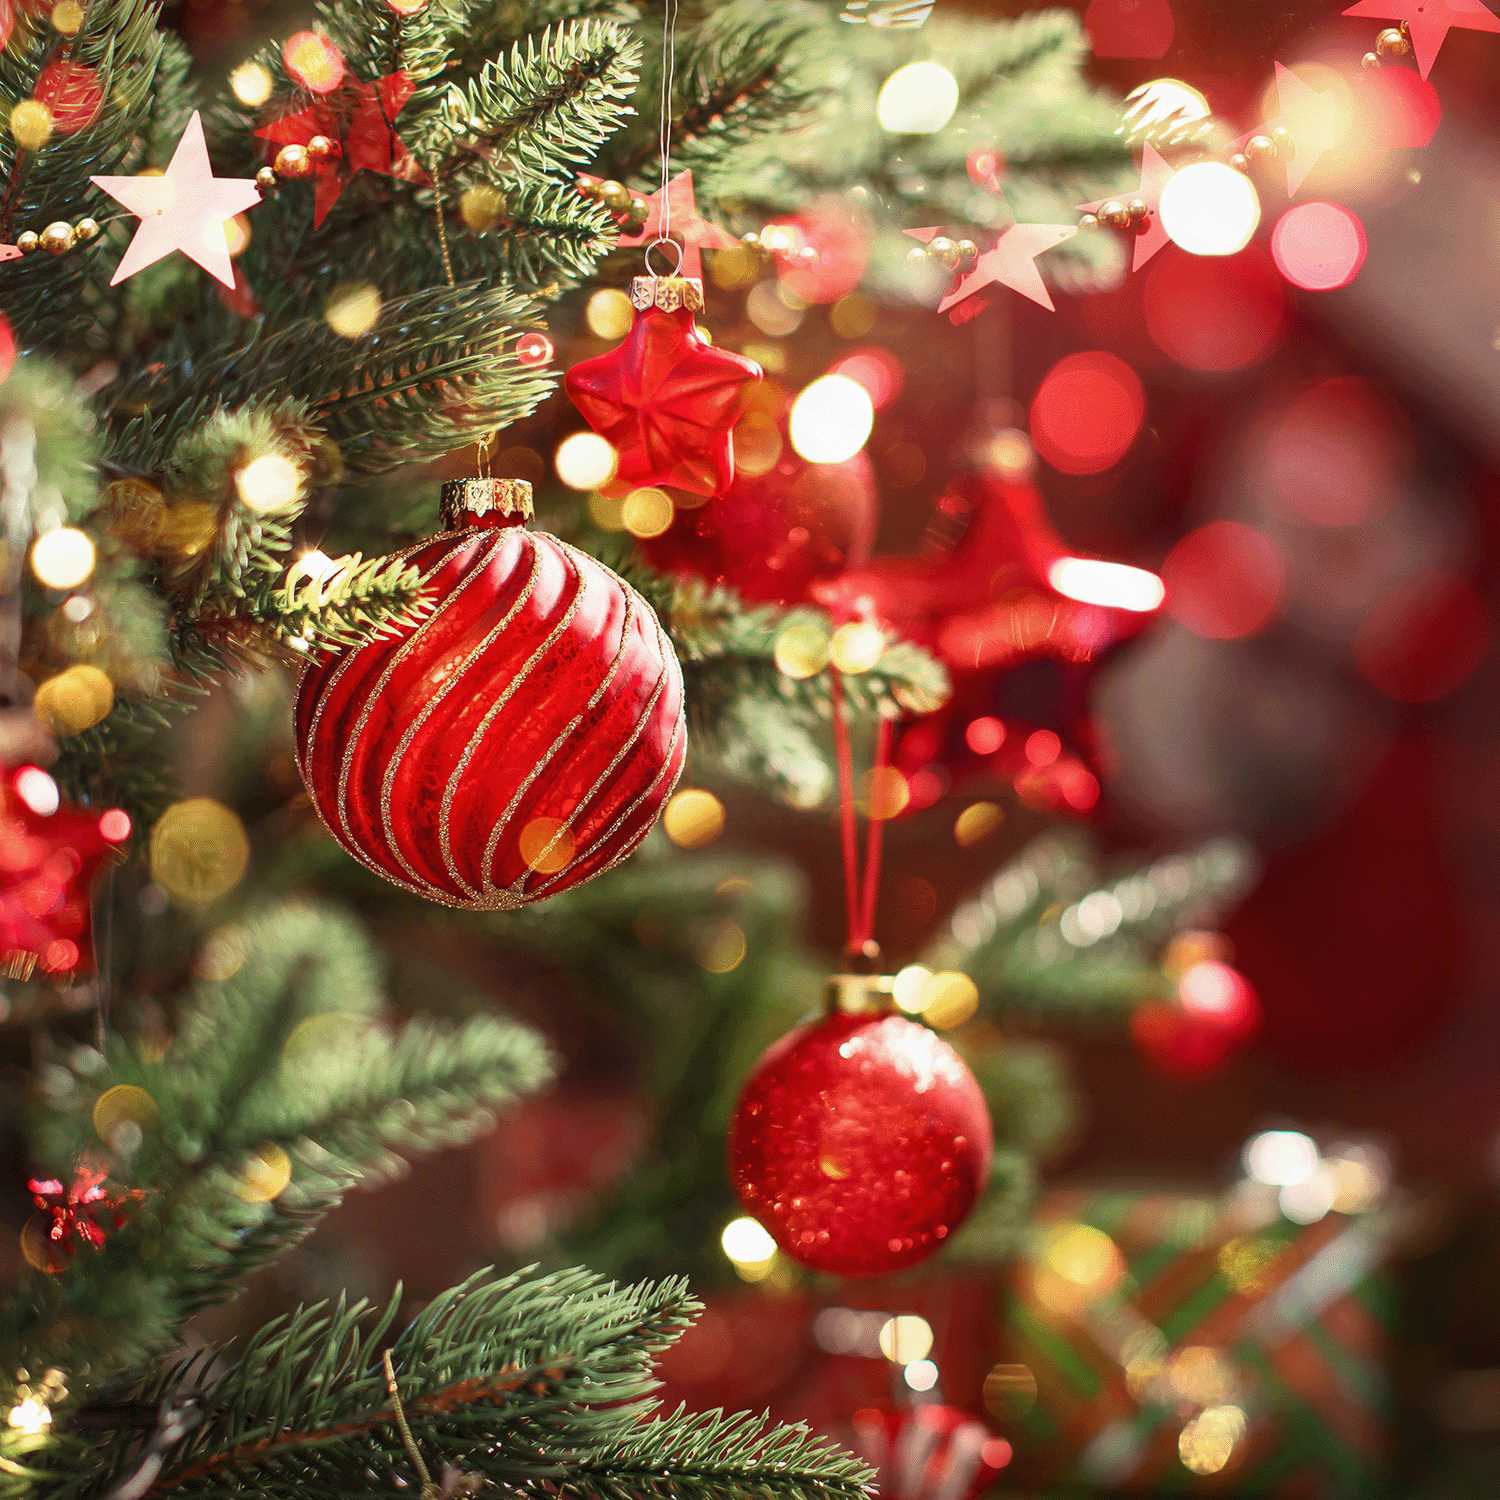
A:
(905, 1338)
(62, 559)
(38, 791)
(584, 461)
(269, 482)
(1210, 209)
(1117, 585)
(917, 99)
(831, 420)
(746, 1242)
(921, 1374)
(908, 987)
(1280, 1158)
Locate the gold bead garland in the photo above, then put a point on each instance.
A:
(58, 237)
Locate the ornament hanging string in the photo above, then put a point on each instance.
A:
(859, 894)
(664, 126)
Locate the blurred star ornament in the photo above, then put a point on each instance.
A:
(1314, 119)
(929, 1452)
(1155, 175)
(673, 210)
(518, 738)
(360, 118)
(1011, 262)
(49, 855)
(1428, 22)
(665, 399)
(184, 209)
(860, 1141)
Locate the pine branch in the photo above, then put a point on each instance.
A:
(353, 601)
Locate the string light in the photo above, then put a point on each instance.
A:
(63, 559)
(750, 1249)
(268, 482)
(917, 99)
(584, 461)
(831, 420)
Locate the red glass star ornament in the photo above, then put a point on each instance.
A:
(183, 209)
(9, 252)
(681, 218)
(1011, 261)
(1429, 22)
(81, 1212)
(49, 855)
(1155, 175)
(1317, 122)
(667, 401)
(361, 117)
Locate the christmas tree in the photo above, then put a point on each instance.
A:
(258, 327)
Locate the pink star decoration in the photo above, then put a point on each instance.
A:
(1429, 21)
(1011, 261)
(695, 233)
(1317, 121)
(1155, 175)
(9, 252)
(184, 209)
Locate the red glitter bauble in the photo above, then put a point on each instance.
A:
(519, 738)
(1216, 1013)
(860, 1142)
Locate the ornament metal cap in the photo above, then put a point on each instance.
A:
(858, 994)
(466, 501)
(667, 292)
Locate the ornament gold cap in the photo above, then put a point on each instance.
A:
(667, 292)
(466, 500)
(858, 994)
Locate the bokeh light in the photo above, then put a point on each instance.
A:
(534, 349)
(268, 483)
(31, 124)
(1319, 246)
(251, 84)
(976, 823)
(719, 946)
(647, 512)
(353, 309)
(313, 61)
(1114, 585)
(124, 1104)
(693, 818)
(920, 1374)
(1424, 639)
(237, 234)
(609, 314)
(856, 646)
(877, 370)
(1396, 109)
(1212, 314)
(1279, 1158)
(917, 99)
(37, 790)
(1210, 209)
(1207, 1443)
(905, 1338)
(801, 649)
(831, 419)
(1224, 581)
(199, 851)
(948, 999)
(265, 1174)
(1087, 412)
(884, 793)
(546, 844)
(584, 461)
(62, 559)
(746, 1241)
(74, 700)
(984, 735)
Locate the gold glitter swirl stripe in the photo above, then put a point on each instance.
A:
(372, 696)
(451, 790)
(541, 765)
(430, 707)
(668, 661)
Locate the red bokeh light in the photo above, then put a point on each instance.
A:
(1224, 580)
(313, 61)
(115, 825)
(1043, 747)
(1087, 412)
(986, 168)
(1424, 639)
(876, 369)
(828, 250)
(1215, 312)
(985, 736)
(73, 92)
(1396, 109)
(1319, 246)
(1130, 28)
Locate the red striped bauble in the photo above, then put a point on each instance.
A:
(520, 738)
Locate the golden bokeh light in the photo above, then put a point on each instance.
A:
(948, 999)
(606, 511)
(976, 823)
(67, 17)
(62, 559)
(854, 316)
(30, 1416)
(584, 461)
(609, 314)
(323, 1035)
(884, 793)
(905, 1338)
(31, 124)
(124, 1104)
(1009, 1391)
(237, 234)
(188, 527)
(221, 957)
(732, 269)
(268, 483)
(757, 446)
(693, 818)
(74, 700)
(251, 84)
(199, 851)
(856, 647)
(647, 512)
(265, 1175)
(719, 946)
(546, 845)
(482, 206)
(1207, 1444)
(907, 988)
(353, 309)
(801, 649)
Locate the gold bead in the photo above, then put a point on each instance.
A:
(1260, 148)
(57, 238)
(320, 148)
(751, 242)
(85, 230)
(917, 256)
(1115, 214)
(615, 196)
(1089, 221)
(1240, 162)
(968, 255)
(293, 161)
(28, 242)
(266, 179)
(943, 250)
(1391, 43)
(1369, 60)
(587, 188)
(1281, 137)
(638, 210)
(1138, 209)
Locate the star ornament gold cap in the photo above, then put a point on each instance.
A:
(466, 501)
(667, 292)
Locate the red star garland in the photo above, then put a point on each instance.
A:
(1155, 175)
(667, 401)
(361, 117)
(49, 855)
(9, 252)
(693, 232)
(1429, 21)
(1011, 261)
(1313, 117)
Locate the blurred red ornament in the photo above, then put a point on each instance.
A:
(1216, 1013)
(81, 1212)
(49, 855)
(73, 92)
(666, 400)
(534, 349)
(360, 117)
(521, 738)
(929, 1452)
(826, 251)
(1396, 109)
(861, 1142)
(780, 530)
(1129, 28)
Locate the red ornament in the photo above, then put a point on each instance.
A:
(861, 1142)
(929, 1452)
(1215, 1014)
(519, 739)
(666, 399)
(80, 1212)
(49, 855)
(361, 116)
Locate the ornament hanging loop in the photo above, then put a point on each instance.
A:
(671, 244)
